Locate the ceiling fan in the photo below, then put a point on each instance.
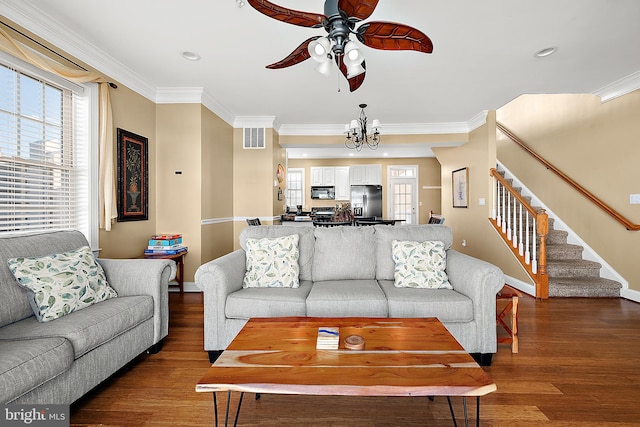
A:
(339, 20)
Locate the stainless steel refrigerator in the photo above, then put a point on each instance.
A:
(366, 201)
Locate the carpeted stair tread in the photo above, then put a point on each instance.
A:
(564, 251)
(593, 287)
(572, 268)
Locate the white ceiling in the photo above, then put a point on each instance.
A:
(483, 57)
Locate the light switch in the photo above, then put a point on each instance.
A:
(481, 201)
(634, 199)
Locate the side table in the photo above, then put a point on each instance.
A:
(179, 259)
(512, 295)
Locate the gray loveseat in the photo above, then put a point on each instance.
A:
(349, 271)
(58, 361)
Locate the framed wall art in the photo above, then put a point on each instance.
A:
(460, 187)
(133, 177)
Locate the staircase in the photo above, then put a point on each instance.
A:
(569, 274)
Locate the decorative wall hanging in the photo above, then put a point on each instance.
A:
(460, 187)
(133, 184)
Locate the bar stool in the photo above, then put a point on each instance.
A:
(512, 295)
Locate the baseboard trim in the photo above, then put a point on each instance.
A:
(525, 287)
(630, 294)
(188, 287)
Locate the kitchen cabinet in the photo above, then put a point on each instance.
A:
(343, 188)
(365, 175)
(323, 176)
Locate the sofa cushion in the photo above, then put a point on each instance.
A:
(445, 304)
(272, 263)
(263, 302)
(420, 264)
(29, 363)
(306, 242)
(14, 301)
(89, 328)
(385, 235)
(346, 298)
(61, 283)
(344, 253)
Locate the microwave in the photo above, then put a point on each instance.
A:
(323, 193)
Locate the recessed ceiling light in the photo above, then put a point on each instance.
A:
(351, 154)
(545, 52)
(191, 56)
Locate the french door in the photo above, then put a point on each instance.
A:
(403, 194)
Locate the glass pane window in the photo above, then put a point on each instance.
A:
(44, 146)
(295, 187)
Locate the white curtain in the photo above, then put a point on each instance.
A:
(107, 196)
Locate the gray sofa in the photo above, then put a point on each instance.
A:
(58, 361)
(349, 271)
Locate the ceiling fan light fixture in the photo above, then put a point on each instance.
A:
(319, 49)
(324, 68)
(352, 54)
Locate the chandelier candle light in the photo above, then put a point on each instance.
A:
(359, 135)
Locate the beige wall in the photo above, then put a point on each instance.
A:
(217, 180)
(472, 223)
(134, 113)
(428, 174)
(598, 146)
(178, 195)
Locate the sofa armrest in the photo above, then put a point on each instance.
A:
(480, 281)
(131, 277)
(217, 279)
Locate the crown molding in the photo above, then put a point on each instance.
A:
(75, 45)
(476, 121)
(619, 88)
(254, 122)
(389, 128)
(179, 95)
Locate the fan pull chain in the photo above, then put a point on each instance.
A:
(338, 74)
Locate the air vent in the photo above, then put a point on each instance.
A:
(254, 138)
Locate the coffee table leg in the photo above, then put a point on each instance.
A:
(453, 416)
(215, 409)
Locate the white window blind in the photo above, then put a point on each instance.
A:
(44, 153)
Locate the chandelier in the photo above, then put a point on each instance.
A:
(359, 134)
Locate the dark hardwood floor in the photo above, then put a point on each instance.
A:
(578, 365)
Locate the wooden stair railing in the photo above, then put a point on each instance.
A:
(524, 229)
(602, 205)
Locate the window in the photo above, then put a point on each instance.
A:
(48, 166)
(295, 187)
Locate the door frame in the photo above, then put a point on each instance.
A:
(413, 178)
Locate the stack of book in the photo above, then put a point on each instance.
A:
(165, 244)
(328, 338)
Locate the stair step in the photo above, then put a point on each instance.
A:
(591, 287)
(564, 252)
(556, 237)
(572, 268)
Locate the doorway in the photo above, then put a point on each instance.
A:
(403, 194)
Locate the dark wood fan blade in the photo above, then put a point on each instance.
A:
(354, 82)
(392, 36)
(290, 16)
(357, 8)
(298, 55)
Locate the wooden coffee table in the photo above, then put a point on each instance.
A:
(402, 357)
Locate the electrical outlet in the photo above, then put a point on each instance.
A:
(634, 199)
(464, 243)
(481, 201)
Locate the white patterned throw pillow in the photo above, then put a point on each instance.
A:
(420, 264)
(62, 283)
(272, 263)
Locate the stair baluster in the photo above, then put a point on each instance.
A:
(509, 223)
